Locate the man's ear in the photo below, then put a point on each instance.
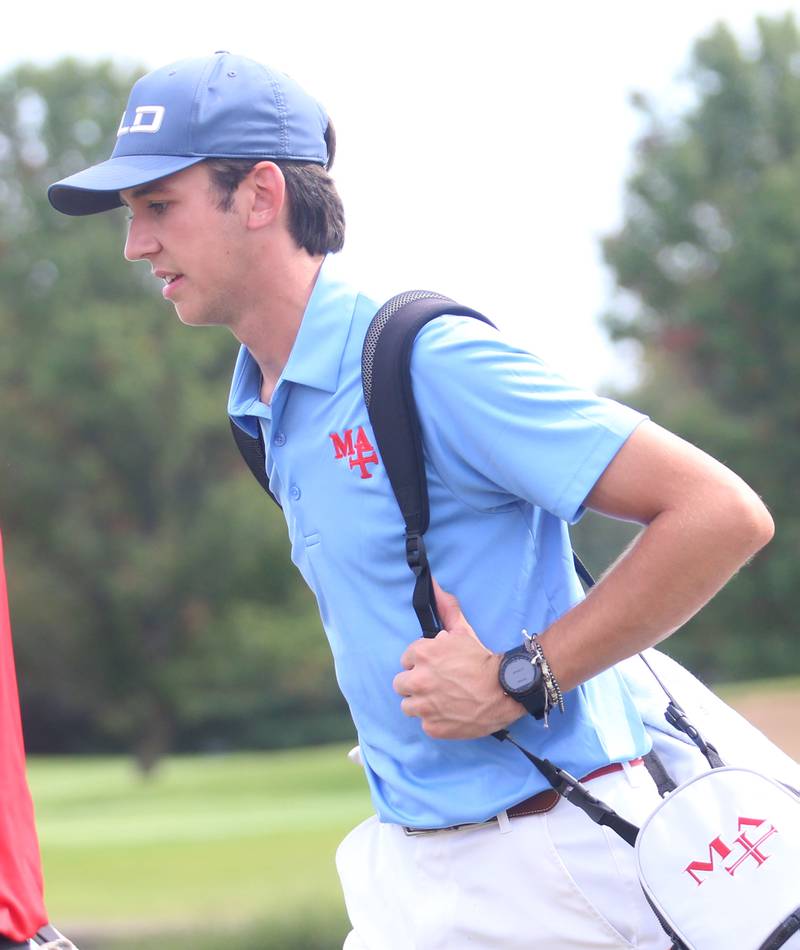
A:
(267, 190)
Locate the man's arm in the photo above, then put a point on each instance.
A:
(701, 524)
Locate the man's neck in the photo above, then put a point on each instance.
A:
(270, 329)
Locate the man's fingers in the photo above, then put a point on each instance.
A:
(450, 612)
(408, 659)
(448, 606)
(399, 684)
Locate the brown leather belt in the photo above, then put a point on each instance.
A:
(535, 805)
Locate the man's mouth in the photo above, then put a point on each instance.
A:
(171, 282)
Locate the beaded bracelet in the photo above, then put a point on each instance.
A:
(553, 694)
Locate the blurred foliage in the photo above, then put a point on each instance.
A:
(153, 600)
(708, 265)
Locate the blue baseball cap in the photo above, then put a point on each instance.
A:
(222, 106)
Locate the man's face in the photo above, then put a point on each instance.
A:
(196, 249)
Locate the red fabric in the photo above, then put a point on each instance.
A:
(22, 910)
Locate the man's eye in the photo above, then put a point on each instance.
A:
(157, 207)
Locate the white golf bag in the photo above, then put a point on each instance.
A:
(719, 859)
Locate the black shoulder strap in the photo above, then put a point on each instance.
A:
(253, 452)
(386, 378)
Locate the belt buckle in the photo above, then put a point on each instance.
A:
(418, 832)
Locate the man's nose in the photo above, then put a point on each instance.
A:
(141, 242)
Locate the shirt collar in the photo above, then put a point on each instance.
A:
(316, 356)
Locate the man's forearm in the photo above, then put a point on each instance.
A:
(681, 559)
(702, 523)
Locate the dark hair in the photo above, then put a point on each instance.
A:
(316, 215)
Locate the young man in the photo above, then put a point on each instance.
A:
(222, 164)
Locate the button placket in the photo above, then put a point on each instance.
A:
(280, 398)
(278, 436)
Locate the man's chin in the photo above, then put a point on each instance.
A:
(184, 317)
(191, 318)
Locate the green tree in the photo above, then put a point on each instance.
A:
(708, 260)
(152, 592)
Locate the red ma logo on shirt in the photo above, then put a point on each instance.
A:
(359, 454)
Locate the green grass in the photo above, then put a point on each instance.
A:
(225, 842)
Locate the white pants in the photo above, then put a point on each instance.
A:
(555, 881)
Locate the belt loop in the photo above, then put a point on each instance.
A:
(632, 774)
(504, 823)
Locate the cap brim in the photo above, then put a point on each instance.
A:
(97, 188)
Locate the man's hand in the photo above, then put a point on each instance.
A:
(451, 681)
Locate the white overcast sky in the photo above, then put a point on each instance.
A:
(482, 146)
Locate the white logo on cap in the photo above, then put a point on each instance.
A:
(145, 119)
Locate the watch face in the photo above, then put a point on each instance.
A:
(519, 674)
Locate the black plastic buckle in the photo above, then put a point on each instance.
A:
(567, 784)
(676, 717)
(416, 555)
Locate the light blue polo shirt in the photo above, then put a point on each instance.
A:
(512, 450)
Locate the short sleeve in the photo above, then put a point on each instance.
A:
(499, 425)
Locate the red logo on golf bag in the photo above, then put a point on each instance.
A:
(359, 455)
(749, 849)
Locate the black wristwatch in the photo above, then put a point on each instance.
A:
(522, 680)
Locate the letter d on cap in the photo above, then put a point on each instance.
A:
(145, 119)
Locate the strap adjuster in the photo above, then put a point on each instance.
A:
(416, 555)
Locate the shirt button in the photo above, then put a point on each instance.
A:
(280, 438)
(294, 493)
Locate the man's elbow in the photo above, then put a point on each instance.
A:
(749, 525)
(763, 526)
